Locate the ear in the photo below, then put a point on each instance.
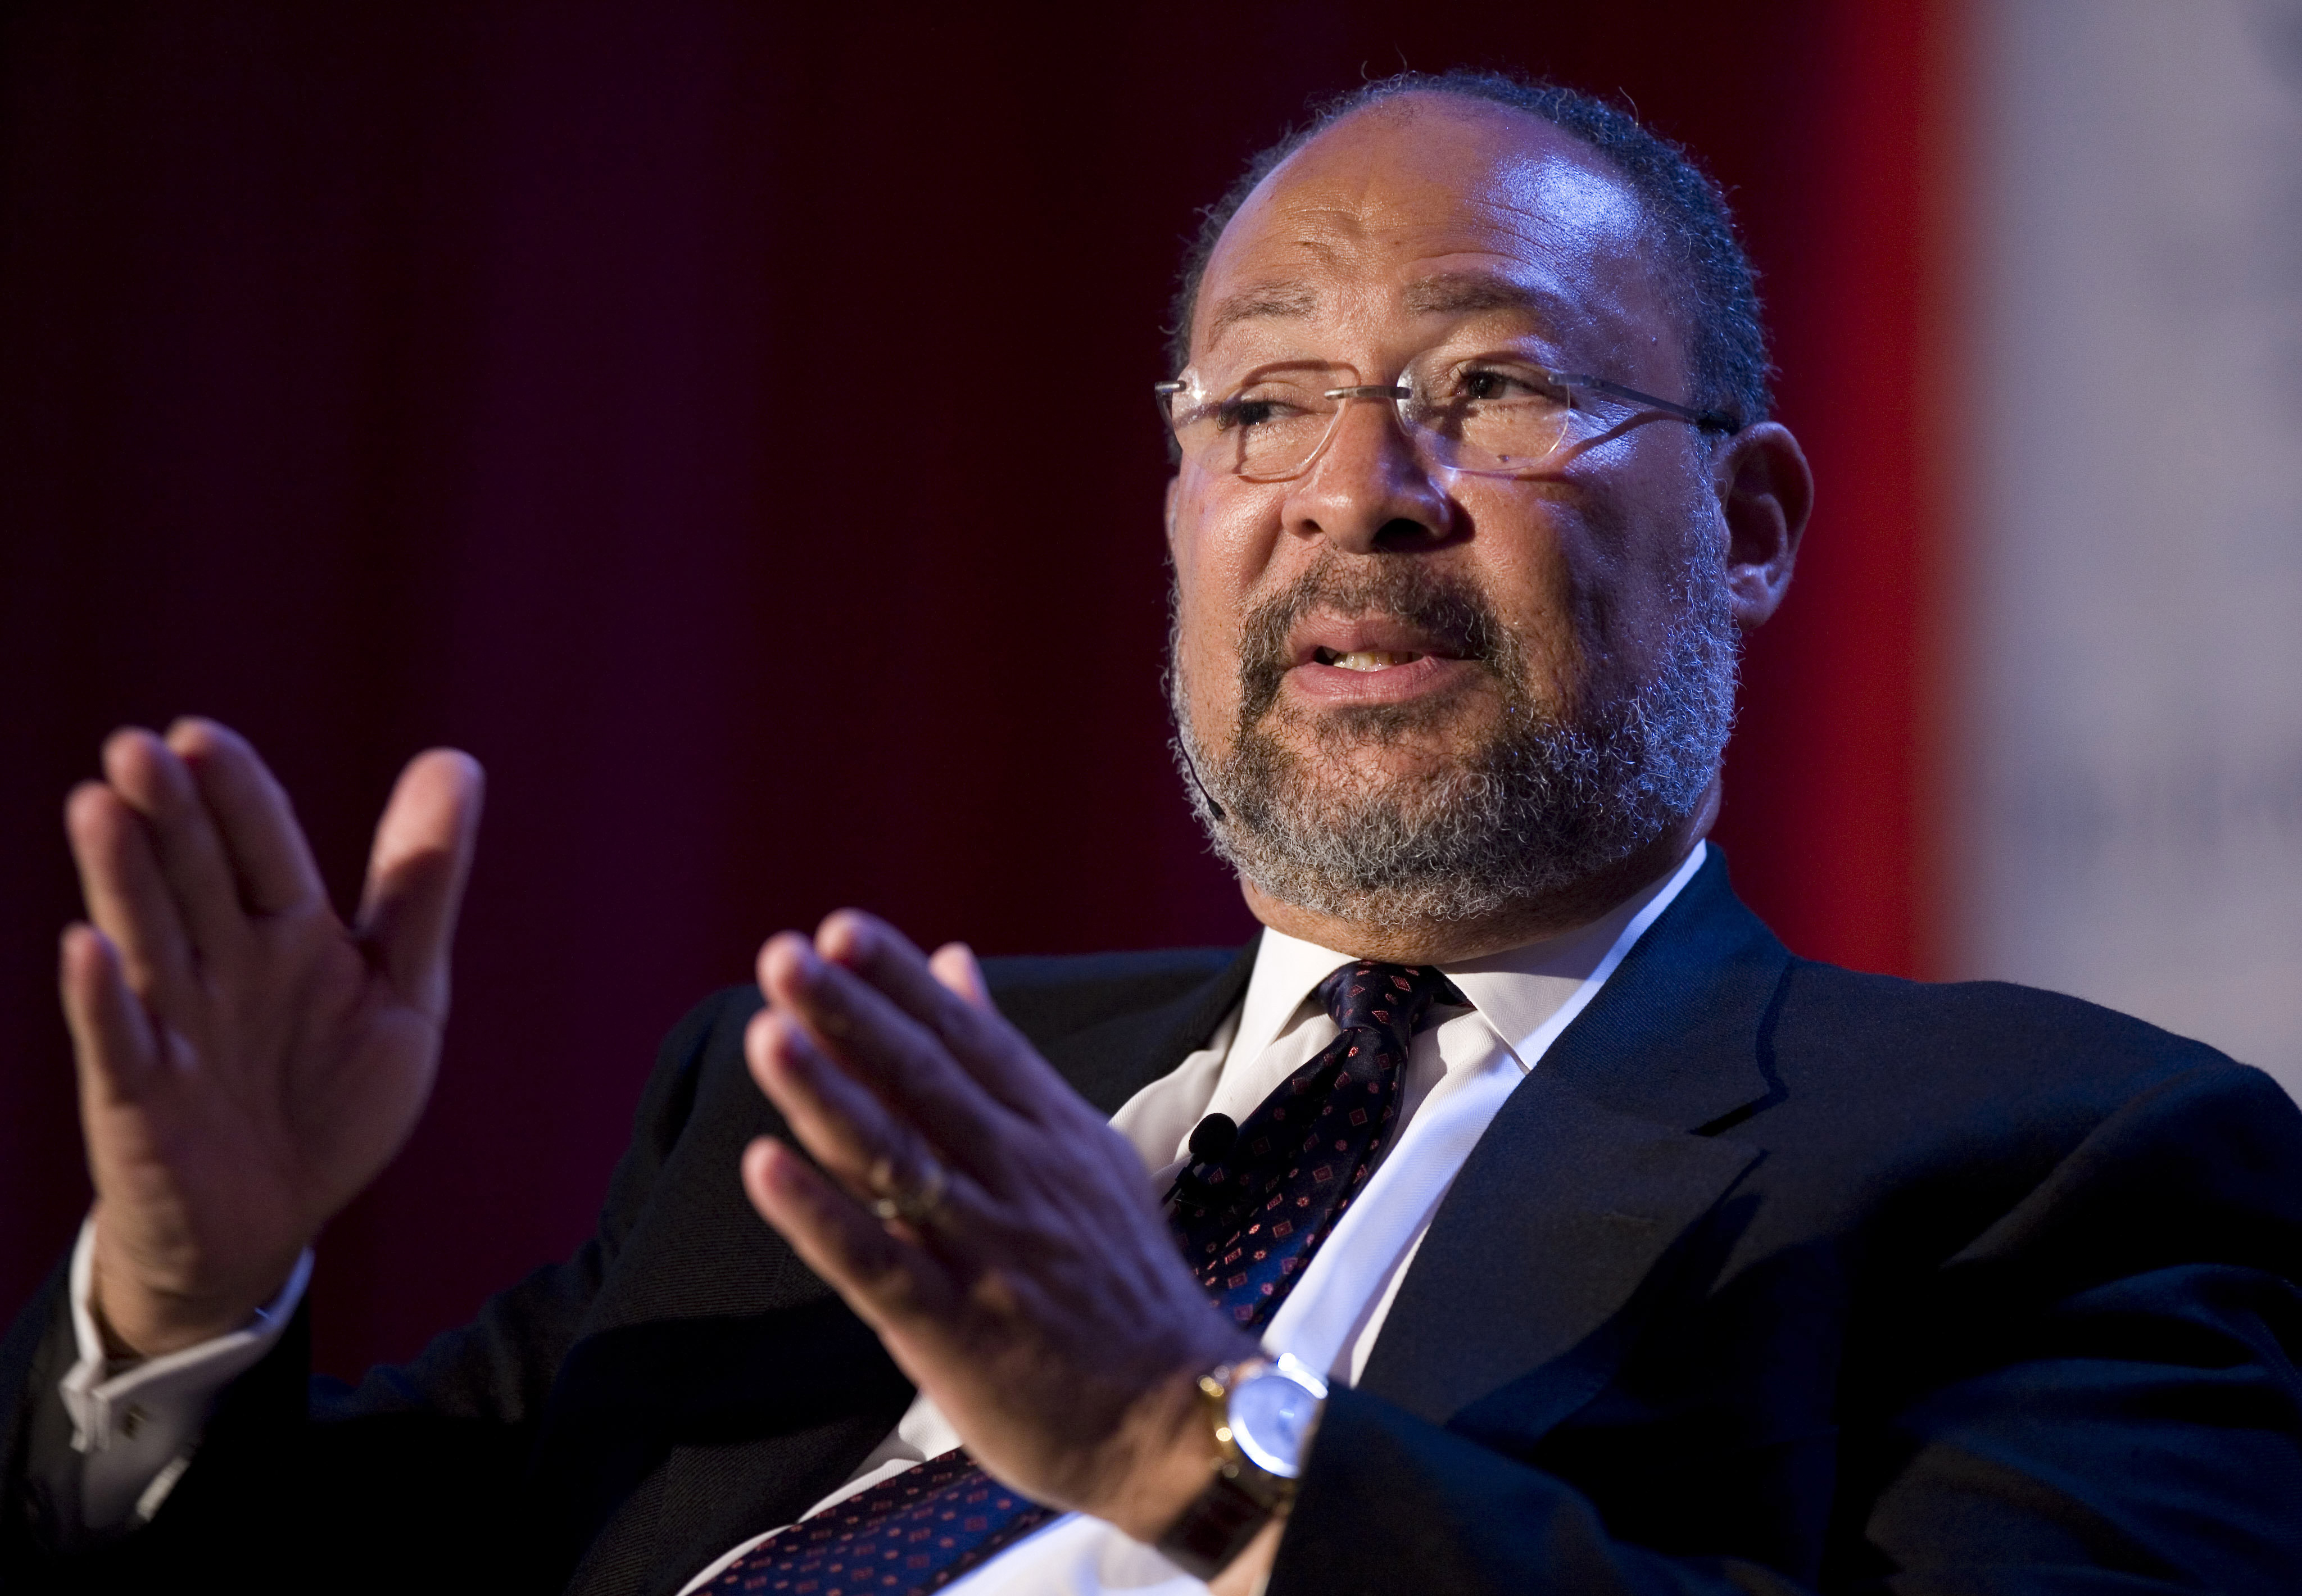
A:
(1765, 492)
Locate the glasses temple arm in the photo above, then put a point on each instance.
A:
(1709, 420)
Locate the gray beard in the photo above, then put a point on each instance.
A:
(1546, 801)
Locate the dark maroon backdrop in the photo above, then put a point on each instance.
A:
(515, 375)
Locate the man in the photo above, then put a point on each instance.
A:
(1608, 1246)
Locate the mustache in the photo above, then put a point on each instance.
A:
(1443, 605)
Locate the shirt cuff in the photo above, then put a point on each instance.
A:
(136, 1423)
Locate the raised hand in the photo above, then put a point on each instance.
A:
(1027, 1281)
(247, 1063)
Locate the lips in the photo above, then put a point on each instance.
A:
(1366, 642)
(1369, 660)
(1365, 659)
(1368, 634)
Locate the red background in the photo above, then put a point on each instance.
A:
(382, 374)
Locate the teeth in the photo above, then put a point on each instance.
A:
(1370, 659)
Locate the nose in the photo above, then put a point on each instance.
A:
(1368, 490)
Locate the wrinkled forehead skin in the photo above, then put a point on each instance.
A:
(1428, 186)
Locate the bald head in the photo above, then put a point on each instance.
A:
(1594, 169)
(1447, 208)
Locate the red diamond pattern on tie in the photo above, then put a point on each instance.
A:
(1248, 1224)
(917, 1532)
(1250, 1221)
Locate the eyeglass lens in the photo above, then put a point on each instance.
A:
(1481, 415)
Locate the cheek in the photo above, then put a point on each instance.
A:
(1220, 543)
(1632, 544)
(1670, 521)
(1544, 568)
(1213, 581)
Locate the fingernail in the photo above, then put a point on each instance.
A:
(850, 934)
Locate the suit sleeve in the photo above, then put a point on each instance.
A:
(436, 1449)
(2112, 1406)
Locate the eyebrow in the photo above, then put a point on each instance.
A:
(1447, 293)
(1263, 301)
(1461, 293)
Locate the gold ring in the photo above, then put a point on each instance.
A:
(916, 1205)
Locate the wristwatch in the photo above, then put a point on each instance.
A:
(1263, 1413)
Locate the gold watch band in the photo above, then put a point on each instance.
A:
(1240, 1497)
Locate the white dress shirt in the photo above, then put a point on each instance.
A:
(1462, 1065)
(136, 1428)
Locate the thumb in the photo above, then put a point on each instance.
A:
(416, 874)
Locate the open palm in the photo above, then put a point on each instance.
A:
(247, 1062)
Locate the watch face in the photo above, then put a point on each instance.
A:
(1270, 1418)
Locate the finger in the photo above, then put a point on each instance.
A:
(147, 773)
(416, 871)
(892, 1053)
(891, 1283)
(865, 1149)
(990, 1049)
(954, 965)
(844, 1127)
(127, 896)
(113, 1042)
(875, 1056)
(271, 863)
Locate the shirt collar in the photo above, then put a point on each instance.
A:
(1516, 991)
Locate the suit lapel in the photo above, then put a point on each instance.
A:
(1595, 1174)
(1109, 1062)
(690, 1346)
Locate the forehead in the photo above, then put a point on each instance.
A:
(1427, 209)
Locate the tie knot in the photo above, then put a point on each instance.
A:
(1385, 998)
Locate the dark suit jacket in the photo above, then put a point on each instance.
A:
(1771, 1277)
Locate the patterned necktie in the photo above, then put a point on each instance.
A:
(1248, 1221)
(1251, 1218)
